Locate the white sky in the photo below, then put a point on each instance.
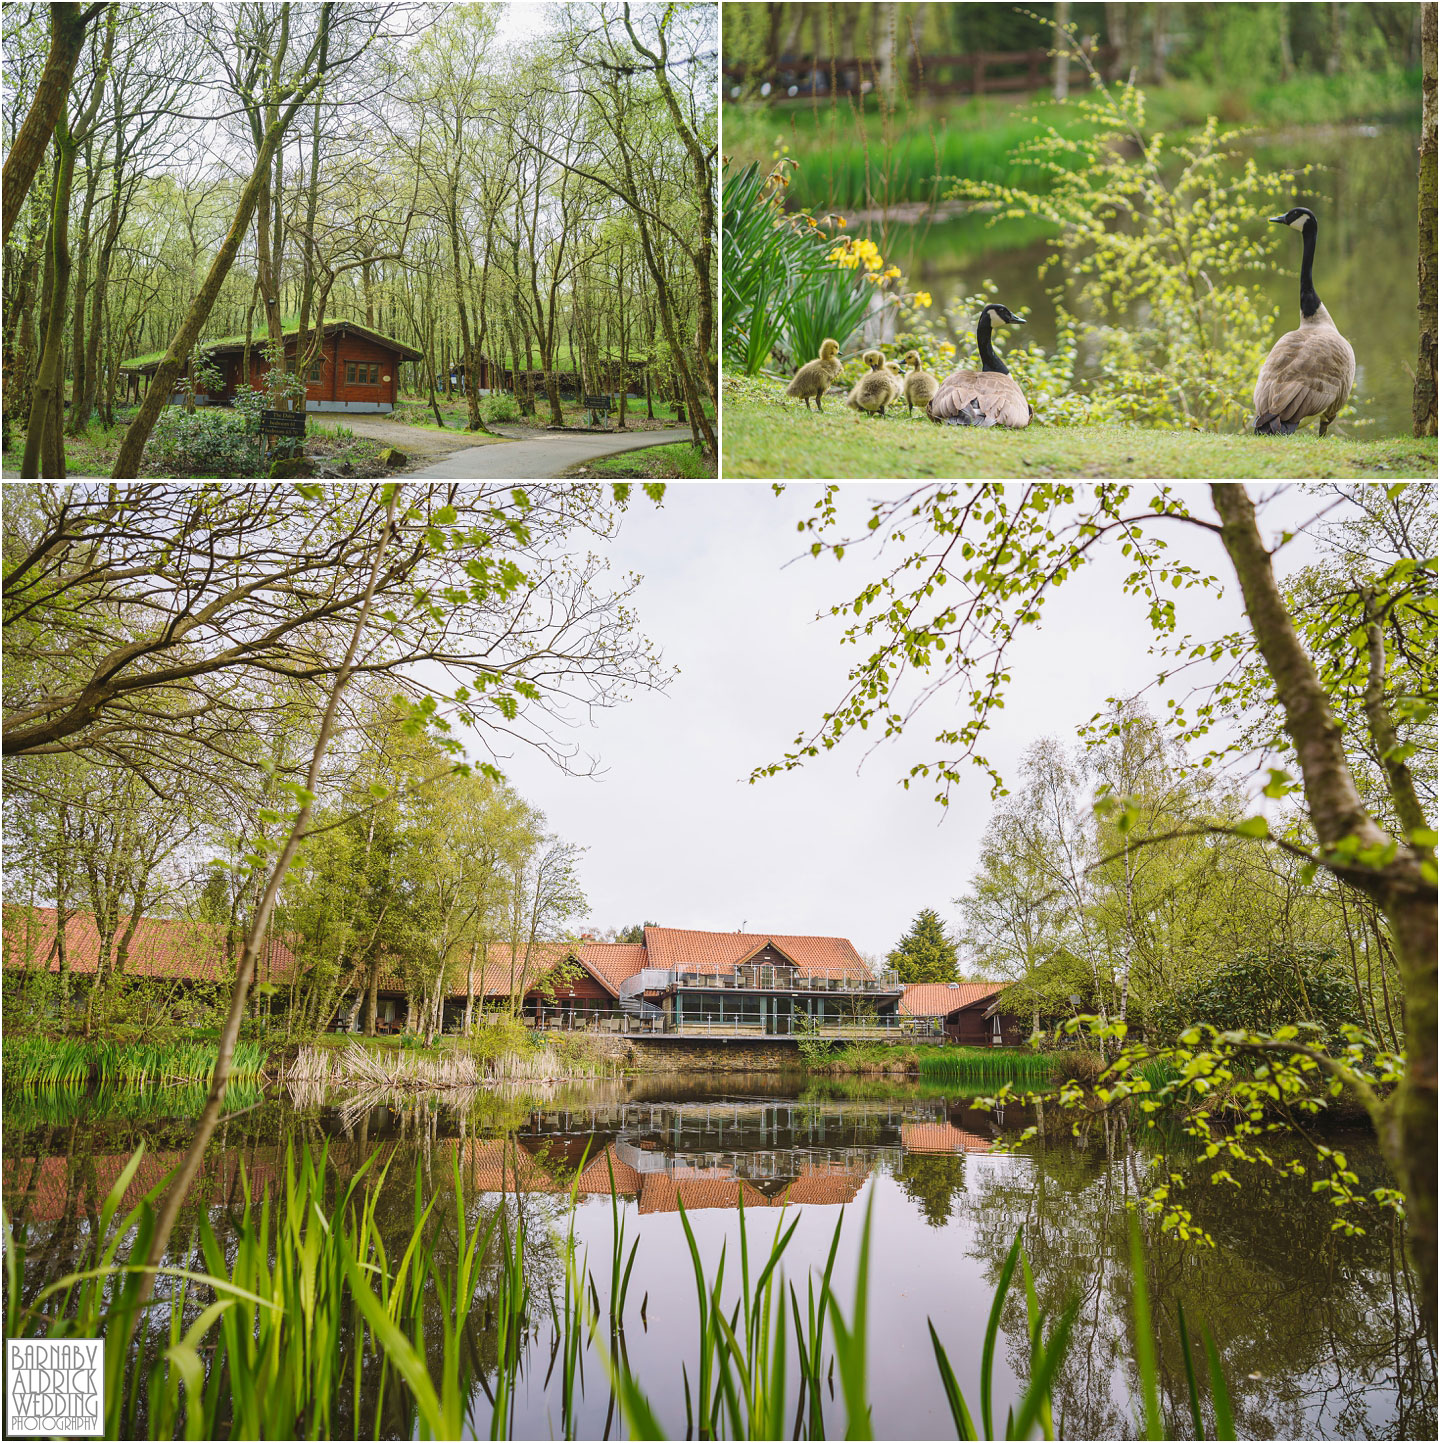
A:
(675, 833)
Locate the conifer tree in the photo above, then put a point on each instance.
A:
(925, 953)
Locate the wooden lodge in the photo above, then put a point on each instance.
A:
(357, 369)
(971, 1013)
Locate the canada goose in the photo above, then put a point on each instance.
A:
(814, 378)
(1309, 371)
(920, 385)
(989, 396)
(877, 388)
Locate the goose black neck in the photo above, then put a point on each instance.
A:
(1309, 301)
(989, 361)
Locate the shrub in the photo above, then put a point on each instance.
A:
(208, 442)
(1262, 991)
(501, 407)
(1076, 1066)
(1155, 238)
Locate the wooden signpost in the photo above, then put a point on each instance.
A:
(599, 407)
(279, 423)
(283, 423)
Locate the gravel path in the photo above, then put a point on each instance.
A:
(547, 454)
(413, 440)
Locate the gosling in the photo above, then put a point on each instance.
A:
(814, 378)
(877, 388)
(920, 385)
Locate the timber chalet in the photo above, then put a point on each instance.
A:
(676, 981)
(357, 368)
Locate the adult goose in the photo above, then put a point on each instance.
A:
(989, 396)
(1309, 371)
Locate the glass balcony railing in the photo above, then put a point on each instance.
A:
(779, 979)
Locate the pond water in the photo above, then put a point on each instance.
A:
(1319, 1333)
(1365, 196)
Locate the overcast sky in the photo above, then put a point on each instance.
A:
(676, 834)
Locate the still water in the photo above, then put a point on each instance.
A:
(1364, 193)
(1319, 1333)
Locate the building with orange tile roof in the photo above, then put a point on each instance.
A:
(970, 1012)
(676, 979)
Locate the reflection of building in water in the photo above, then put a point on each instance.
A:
(766, 1152)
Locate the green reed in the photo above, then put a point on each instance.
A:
(32, 1061)
(316, 1321)
(978, 1064)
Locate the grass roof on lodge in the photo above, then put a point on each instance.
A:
(289, 326)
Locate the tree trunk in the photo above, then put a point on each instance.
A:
(162, 384)
(67, 36)
(1060, 76)
(1117, 33)
(1407, 1124)
(82, 286)
(45, 408)
(1425, 365)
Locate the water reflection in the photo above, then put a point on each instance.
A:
(1319, 1333)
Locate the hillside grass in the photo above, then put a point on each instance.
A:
(767, 437)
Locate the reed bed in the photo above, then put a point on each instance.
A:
(317, 1322)
(980, 1065)
(72, 1062)
(370, 1076)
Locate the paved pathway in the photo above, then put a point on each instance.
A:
(543, 455)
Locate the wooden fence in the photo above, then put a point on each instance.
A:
(981, 73)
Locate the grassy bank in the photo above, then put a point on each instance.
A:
(853, 157)
(767, 437)
(681, 461)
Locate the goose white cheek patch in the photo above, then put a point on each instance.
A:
(1298, 223)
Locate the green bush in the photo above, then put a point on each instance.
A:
(210, 441)
(501, 407)
(1155, 239)
(1262, 991)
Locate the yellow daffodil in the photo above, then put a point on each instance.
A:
(891, 272)
(840, 221)
(946, 349)
(922, 298)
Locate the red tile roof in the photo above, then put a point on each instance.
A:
(938, 999)
(161, 947)
(941, 1137)
(612, 962)
(681, 949)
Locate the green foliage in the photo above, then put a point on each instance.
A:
(1260, 991)
(926, 953)
(787, 285)
(1155, 241)
(500, 407)
(207, 442)
(1230, 1092)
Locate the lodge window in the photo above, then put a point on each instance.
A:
(315, 368)
(358, 373)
